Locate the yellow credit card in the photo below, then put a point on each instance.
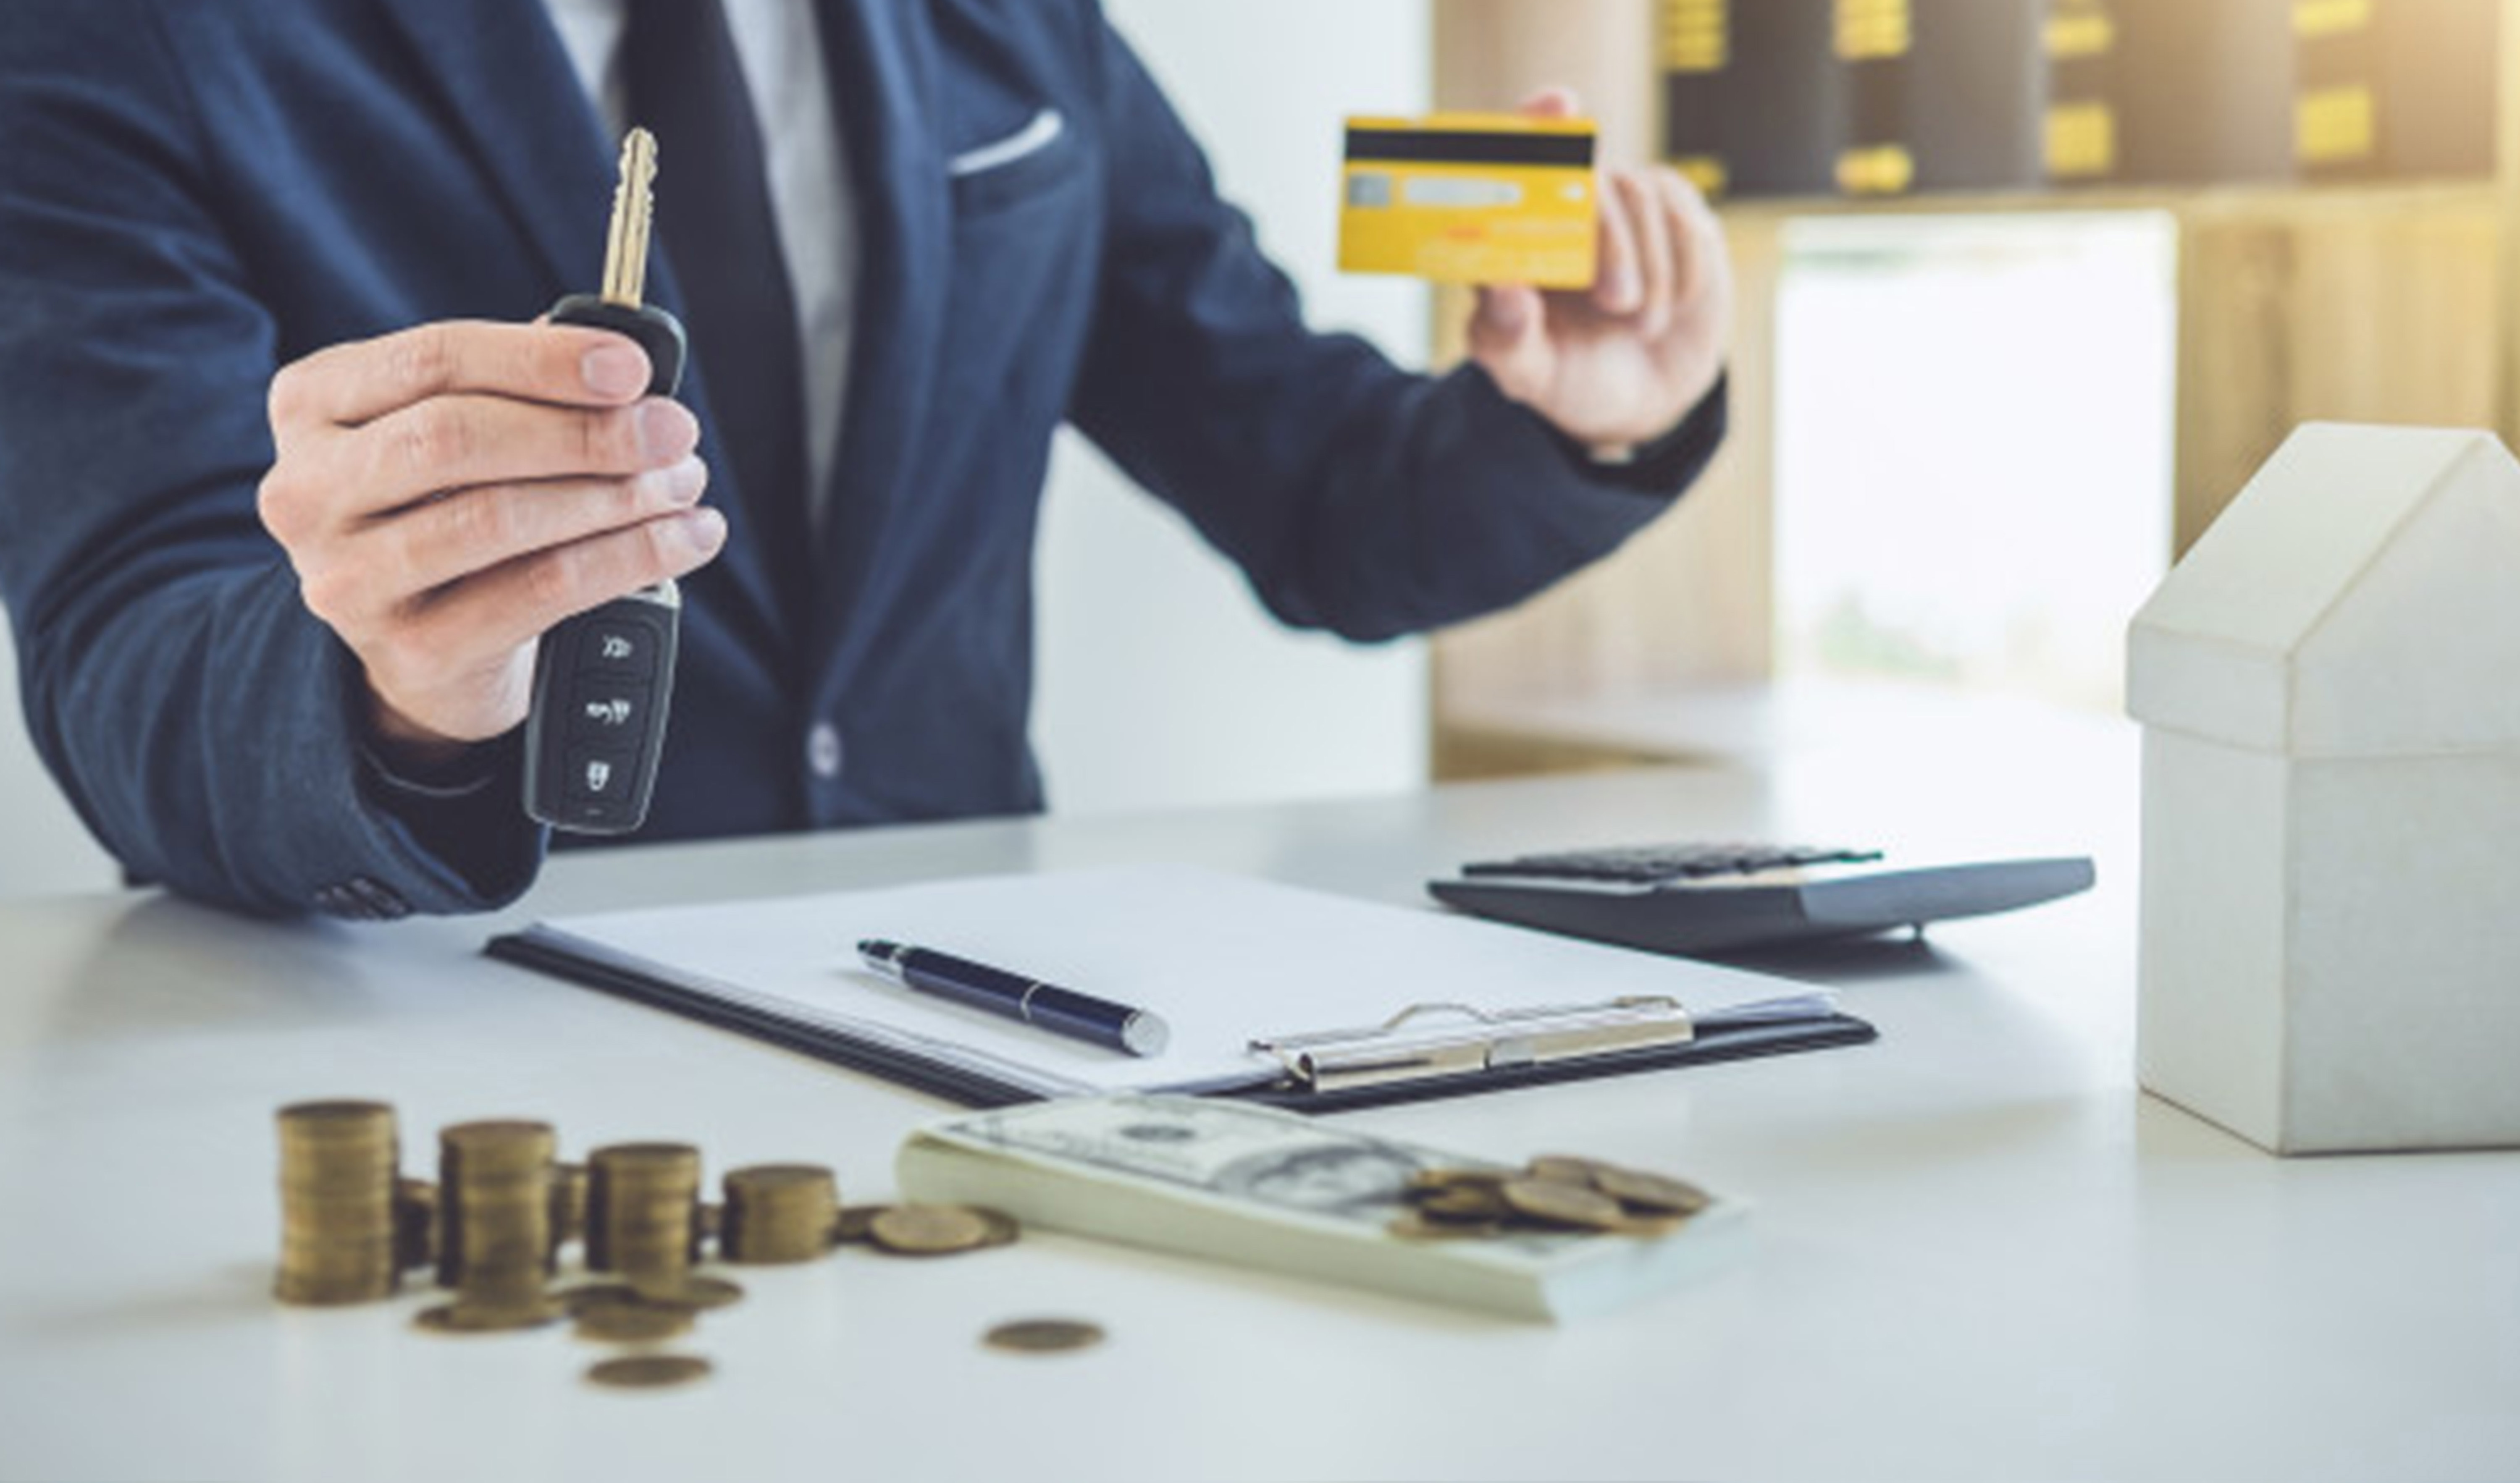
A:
(1472, 198)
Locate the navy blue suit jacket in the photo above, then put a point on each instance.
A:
(193, 193)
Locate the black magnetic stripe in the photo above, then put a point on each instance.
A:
(1448, 147)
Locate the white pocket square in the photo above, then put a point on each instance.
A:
(1033, 138)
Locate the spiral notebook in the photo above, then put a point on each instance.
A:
(1280, 994)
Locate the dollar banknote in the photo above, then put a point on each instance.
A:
(1260, 1188)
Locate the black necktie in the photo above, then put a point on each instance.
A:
(713, 216)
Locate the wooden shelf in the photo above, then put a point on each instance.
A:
(2382, 303)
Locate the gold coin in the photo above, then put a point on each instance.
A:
(1563, 1205)
(1004, 1229)
(586, 1295)
(1044, 1335)
(1649, 1224)
(648, 1372)
(682, 1290)
(465, 1316)
(322, 1291)
(1654, 1192)
(929, 1230)
(1465, 1202)
(770, 1179)
(632, 1324)
(856, 1223)
(496, 1149)
(567, 1204)
(342, 1121)
(1434, 1181)
(669, 1161)
(1566, 1169)
(1414, 1226)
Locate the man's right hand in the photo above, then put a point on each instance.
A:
(449, 492)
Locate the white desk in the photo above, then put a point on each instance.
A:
(1980, 1253)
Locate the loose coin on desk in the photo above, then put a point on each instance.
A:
(1654, 1192)
(648, 1372)
(632, 1324)
(1563, 1205)
(465, 1316)
(1002, 1228)
(691, 1293)
(855, 1224)
(589, 1295)
(1568, 1169)
(1419, 1226)
(930, 1229)
(1044, 1335)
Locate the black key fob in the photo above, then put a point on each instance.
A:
(603, 679)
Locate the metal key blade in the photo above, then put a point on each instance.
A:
(634, 208)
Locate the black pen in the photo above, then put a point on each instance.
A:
(1043, 1006)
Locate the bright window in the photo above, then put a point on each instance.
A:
(1974, 454)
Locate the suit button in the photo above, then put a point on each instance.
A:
(343, 902)
(383, 903)
(822, 751)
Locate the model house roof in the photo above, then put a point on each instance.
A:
(2362, 596)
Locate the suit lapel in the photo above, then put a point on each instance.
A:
(499, 69)
(881, 55)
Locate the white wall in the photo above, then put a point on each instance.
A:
(1133, 605)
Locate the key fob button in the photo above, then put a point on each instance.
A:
(617, 650)
(601, 775)
(602, 712)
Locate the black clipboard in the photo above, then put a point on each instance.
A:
(1708, 1044)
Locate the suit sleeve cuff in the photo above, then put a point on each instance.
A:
(1670, 463)
(468, 818)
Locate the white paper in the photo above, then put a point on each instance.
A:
(1222, 958)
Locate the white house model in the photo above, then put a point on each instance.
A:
(2329, 684)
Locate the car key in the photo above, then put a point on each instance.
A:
(603, 679)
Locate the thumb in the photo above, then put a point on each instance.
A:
(1510, 338)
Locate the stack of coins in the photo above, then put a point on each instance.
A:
(641, 1213)
(338, 1162)
(778, 1213)
(568, 1207)
(415, 1224)
(495, 1245)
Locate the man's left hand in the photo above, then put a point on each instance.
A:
(1622, 362)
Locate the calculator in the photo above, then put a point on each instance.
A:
(1712, 898)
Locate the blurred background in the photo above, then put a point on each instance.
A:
(2028, 287)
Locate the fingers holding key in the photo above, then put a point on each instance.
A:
(440, 489)
(475, 529)
(506, 608)
(351, 384)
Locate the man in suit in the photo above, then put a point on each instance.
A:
(290, 482)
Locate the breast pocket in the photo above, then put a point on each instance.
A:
(1035, 160)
